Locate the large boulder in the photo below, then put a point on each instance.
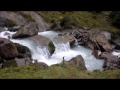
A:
(26, 31)
(10, 18)
(111, 61)
(100, 40)
(77, 61)
(2, 29)
(7, 49)
(56, 27)
(17, 62)
(23, 61)
(23, 51)
(42, 26)
(14, 28)
(64, 39)
(43, 41)
(40, 64)
(107, 35)
(20, 18)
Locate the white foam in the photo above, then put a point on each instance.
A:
(41, 53)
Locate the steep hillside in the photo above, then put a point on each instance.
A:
(81, 19)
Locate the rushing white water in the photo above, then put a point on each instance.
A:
(5, 34)
(116, 53)
(63, 50)
(49, 34)
(91, 62)
(41, 53)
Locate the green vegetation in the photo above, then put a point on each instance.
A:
(51, 48)
(10, 63)
(67, 22)
(59, 72)
(81, 19)
(115, 18)
(51, 16)
(27, 16)
(10, 23)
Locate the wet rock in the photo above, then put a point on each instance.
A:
(20, 18)
(64, 39)
(100, 40)
(23, 61)
(95, 53)
(26, 31)
(7, 49)
(111, 61)
(77, 61)
(43, 41)
(2, 29)
(23, 51)
(56, 27)
(14, 29)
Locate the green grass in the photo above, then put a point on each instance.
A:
(81, 19)
(51, 16)
(55, 72)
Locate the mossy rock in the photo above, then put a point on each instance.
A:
(4, 22)
(27, 16)
(10, 63)
(51, 48)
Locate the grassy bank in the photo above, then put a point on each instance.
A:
(81, 19)
(55, 72)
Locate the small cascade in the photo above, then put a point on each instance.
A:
(6, 34)
(62, 47)
(116, 53)
(41, 53)
(76, 42)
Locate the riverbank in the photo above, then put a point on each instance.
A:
(55, 72)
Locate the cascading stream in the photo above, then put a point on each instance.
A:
(41, 54)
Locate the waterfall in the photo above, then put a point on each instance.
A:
(62, 47)
(76, 42)
(41, 53)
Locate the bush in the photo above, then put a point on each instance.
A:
(67, 22)
(115, 18)
(10, 63)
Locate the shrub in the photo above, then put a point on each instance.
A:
(115, 18)
(10, 63)
(67, 22)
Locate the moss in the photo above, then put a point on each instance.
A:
(51, 48)
(27, 16)
(10, 23)
(10, 63)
